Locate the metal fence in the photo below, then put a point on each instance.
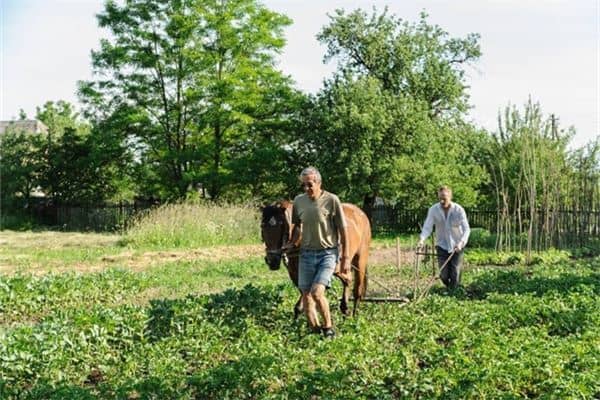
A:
(395, 219)
(557, 228)
(568, 227)
(81, 217)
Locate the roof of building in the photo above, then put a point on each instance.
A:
(24, 125)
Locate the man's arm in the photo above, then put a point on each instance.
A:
(466, 229)
(427, 227)
(294, 240)
(295, 237)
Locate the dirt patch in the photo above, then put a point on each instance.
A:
(389, 256)
(55, 240)
(138, 261)
(211, 254)
(143, 260)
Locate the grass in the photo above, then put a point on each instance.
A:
(386, 240)
(222, 329)
(33, 251)
(189, 225)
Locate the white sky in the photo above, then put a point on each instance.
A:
(546, 49)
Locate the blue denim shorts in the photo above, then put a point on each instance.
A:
(316, 266)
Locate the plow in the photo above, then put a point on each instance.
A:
(409, 281)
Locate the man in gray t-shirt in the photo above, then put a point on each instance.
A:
(317, 215)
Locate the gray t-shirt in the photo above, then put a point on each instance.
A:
(320, 218)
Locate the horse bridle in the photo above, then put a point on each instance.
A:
(286, 254)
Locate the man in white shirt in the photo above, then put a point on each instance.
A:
(451, 232)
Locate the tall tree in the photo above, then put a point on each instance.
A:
(391, 117)
(196, 73)
(418, 60)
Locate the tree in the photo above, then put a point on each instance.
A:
(81, 162)
(266, 166)
(391, 117)
(21, 166)
(536, 178)
(195, 74)
(418, 61)
(58, 117)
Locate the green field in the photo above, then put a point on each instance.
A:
(81, 317)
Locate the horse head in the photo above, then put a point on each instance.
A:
(275, 232)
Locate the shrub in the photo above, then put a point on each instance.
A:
(481, 237)
(17, 222)
(490, 257)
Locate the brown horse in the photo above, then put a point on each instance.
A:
(276, 230)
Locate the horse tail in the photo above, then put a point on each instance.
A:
(361, 276)
(365, 245)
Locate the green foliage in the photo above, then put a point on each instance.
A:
(66, 163)
(417, 59)
(534, 176)
(194, 79)
(492, 257)
(481, 237)
(194, 224)
(58, 117)
(22, 166)
(101, 336)
(391, 117)
(267, 167)
(407, 241)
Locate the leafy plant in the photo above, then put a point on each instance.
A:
(224, 330)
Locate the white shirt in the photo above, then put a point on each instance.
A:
(450, 230)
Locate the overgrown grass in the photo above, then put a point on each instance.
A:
(188, 225)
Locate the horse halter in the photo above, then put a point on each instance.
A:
(282, 238)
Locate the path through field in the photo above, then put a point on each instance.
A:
(85, 252)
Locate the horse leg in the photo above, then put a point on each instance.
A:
(292, 268)
(360, 278)
(345, 294)
(298, 307)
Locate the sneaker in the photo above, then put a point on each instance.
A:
(329, 333)
(316, 329)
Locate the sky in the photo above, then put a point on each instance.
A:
(546, 50)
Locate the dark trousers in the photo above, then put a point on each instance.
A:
(450, 275)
